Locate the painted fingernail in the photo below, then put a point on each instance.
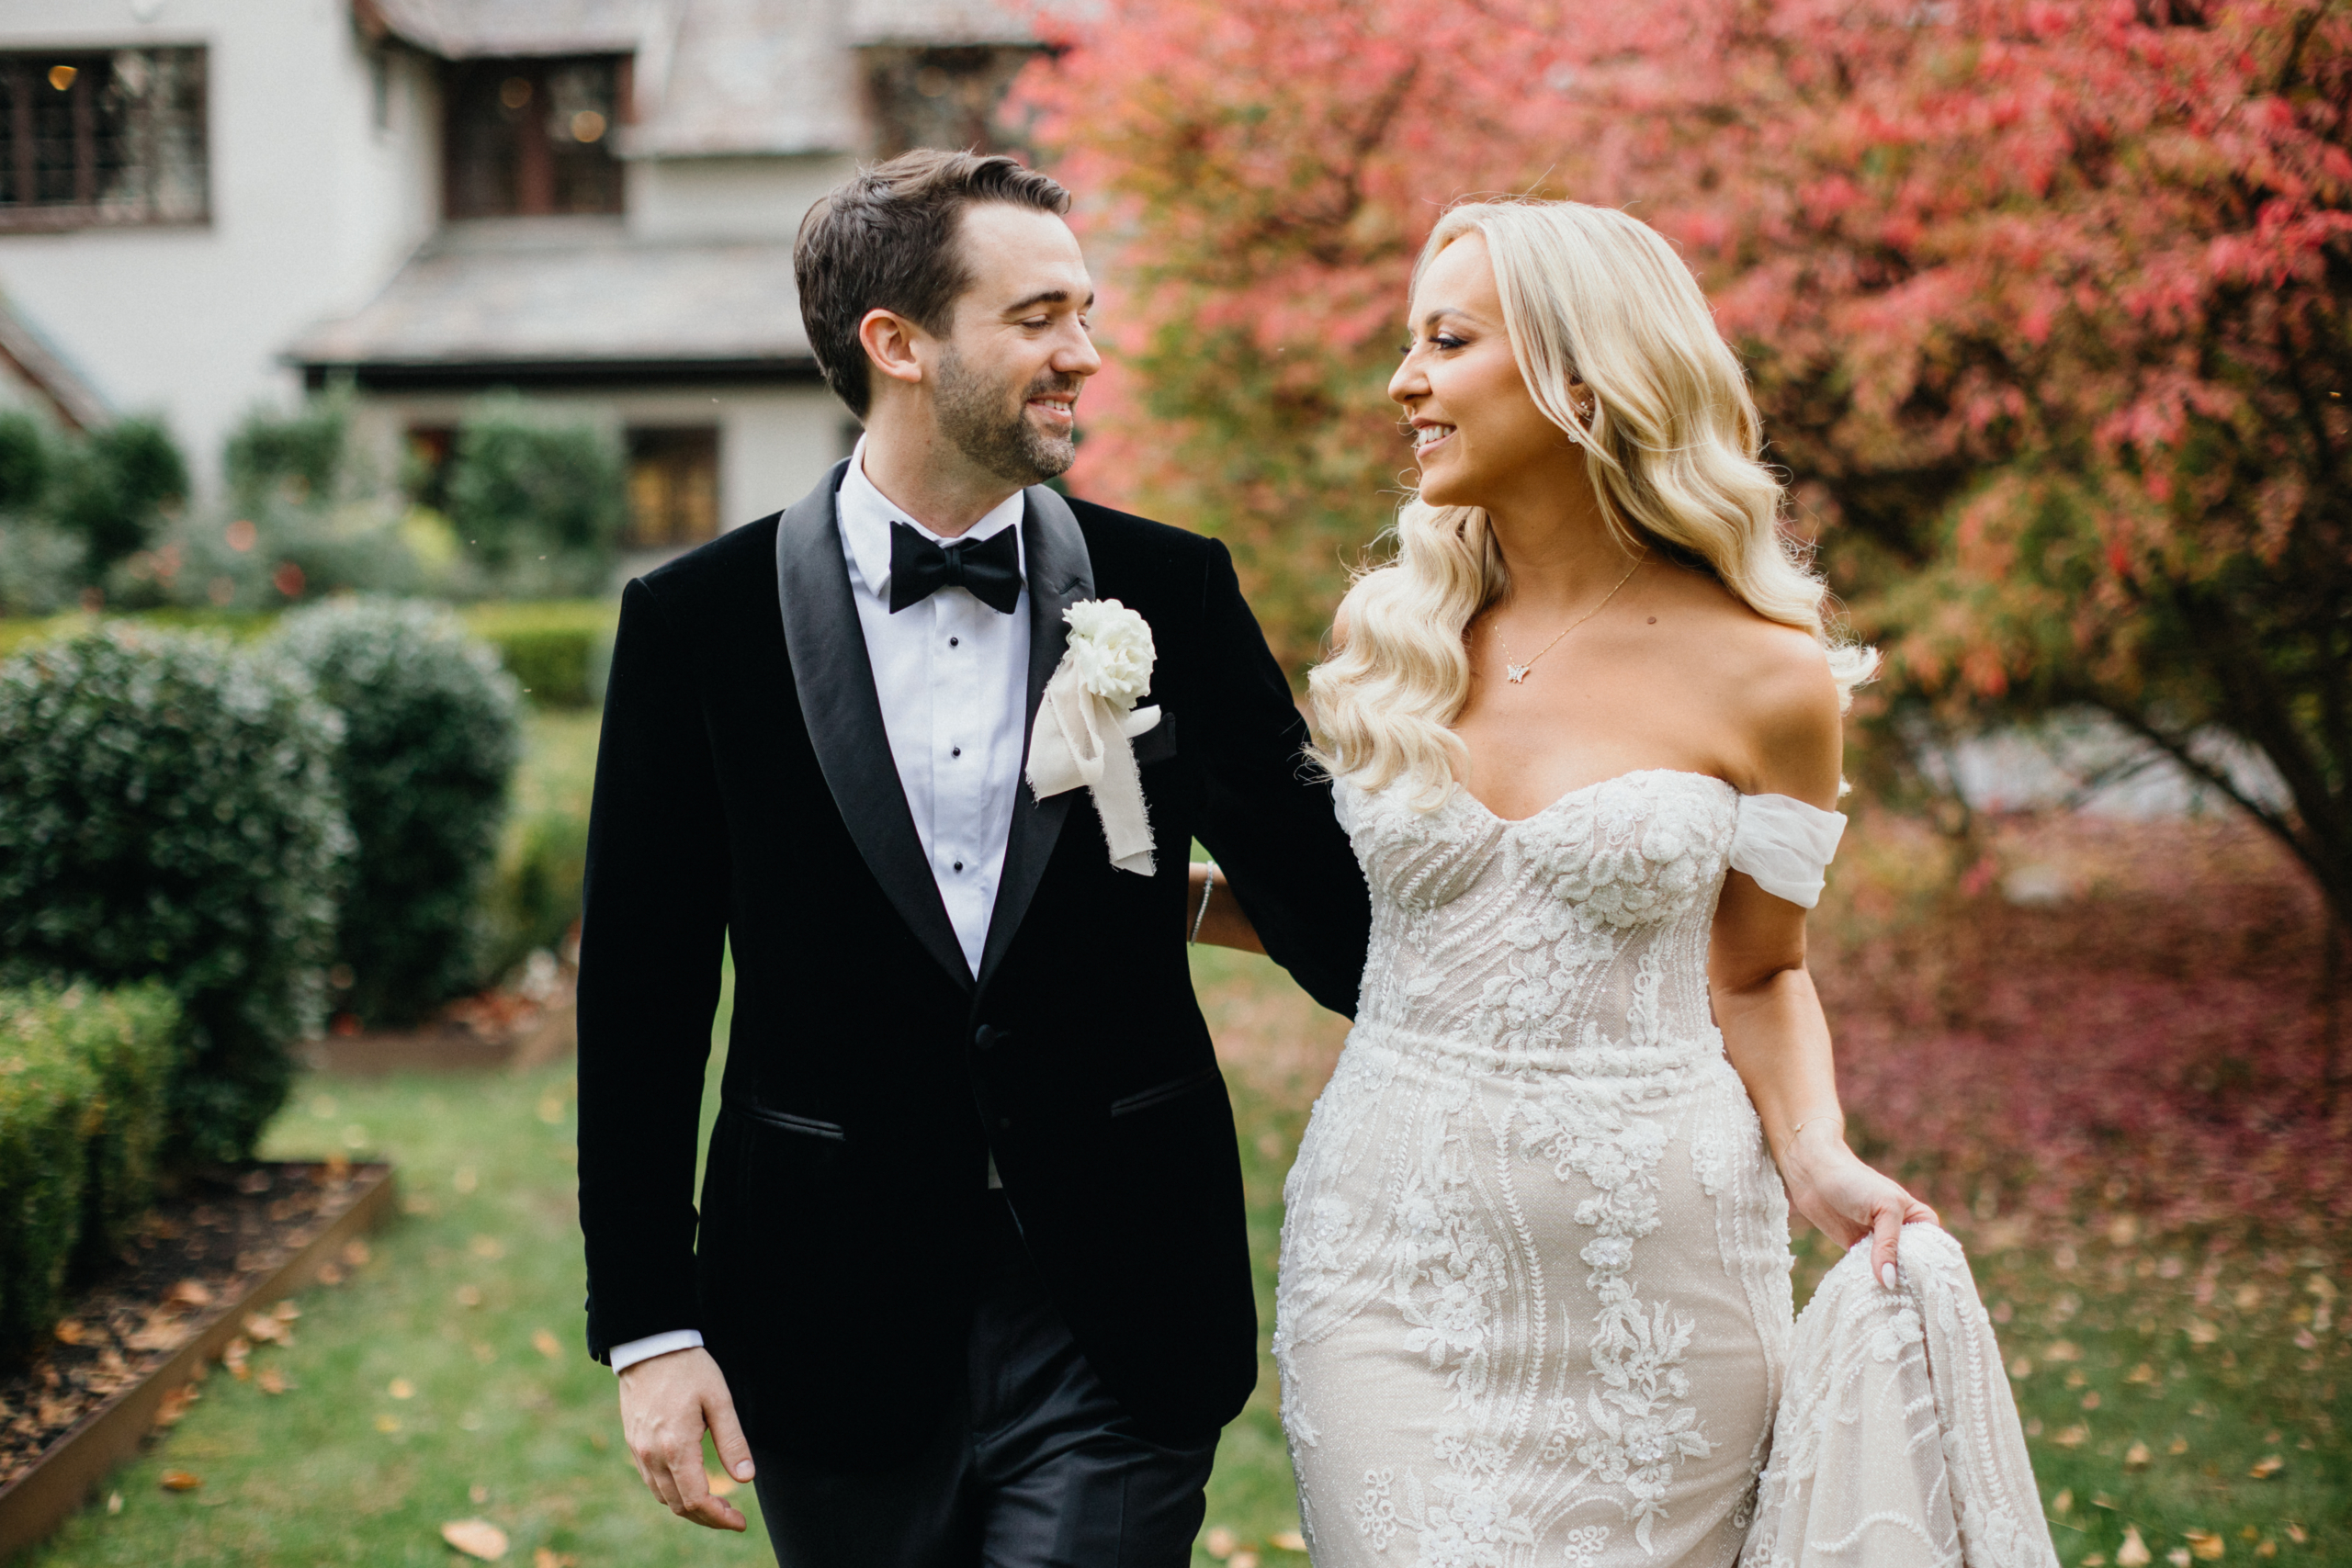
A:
(1886, 1272)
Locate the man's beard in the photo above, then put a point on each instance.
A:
(972, 414)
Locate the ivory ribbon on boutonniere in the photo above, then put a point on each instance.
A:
(1088, 722)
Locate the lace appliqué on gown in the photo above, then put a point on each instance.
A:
(1515, 1325)
(1534, 1300)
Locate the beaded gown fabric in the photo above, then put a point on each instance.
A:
(1535, 1304)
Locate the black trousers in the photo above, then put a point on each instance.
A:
(1035, 1465)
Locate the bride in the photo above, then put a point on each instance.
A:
(1535, 1292)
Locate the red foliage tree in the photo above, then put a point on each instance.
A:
(2045, 303)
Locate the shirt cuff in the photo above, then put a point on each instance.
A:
(629, 1354)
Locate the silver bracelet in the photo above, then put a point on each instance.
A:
(1200, 917)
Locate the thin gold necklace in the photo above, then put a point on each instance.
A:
(1517, 673)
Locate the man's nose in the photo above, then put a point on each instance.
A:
(1079, 357)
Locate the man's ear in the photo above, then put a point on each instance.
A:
(890, 342)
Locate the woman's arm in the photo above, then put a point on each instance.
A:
(1765, 1004)
(1225, 923)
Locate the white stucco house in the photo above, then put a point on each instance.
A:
(207, 205)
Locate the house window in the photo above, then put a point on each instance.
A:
(105, 137)
(941, 96)
(672, 487)
(531, 137)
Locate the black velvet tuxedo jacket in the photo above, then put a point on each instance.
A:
(745, 794)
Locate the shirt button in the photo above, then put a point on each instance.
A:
(954, 642)
(955, 751)
(959, 865)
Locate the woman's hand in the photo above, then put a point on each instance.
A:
(1829, 1185)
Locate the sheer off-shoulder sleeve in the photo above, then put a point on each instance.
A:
(1785, 845)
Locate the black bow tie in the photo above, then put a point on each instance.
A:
(990, 568)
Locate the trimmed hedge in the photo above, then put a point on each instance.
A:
(172, 813)
(84, 1077)
(558, 650)
(432, 733)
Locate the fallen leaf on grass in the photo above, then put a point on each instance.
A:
(2022, 1369)
(329, 1274)
(400, 1387)
(2267, 1466)
(1242, 1559)
(464, 1180)
(2296, 1532)
(720, 1484)
(70, 1331)
(233, 1355)
(476, 1538)
(355, 1255)
(180, 1481)
(2065, 1501)
(1220, 1543)
(2205, 1545)
(2134, 1553)
(2178, 1557)
(545, 1344)
(272, 1380)
(388, 1425)
(175, 1406)
(2073, 1437)
(544, 1558)
(487, 1246)
(114, 1502)
(2201, 1332)
(286, 1311)
(1288, 1540)
(2179, 1445)
(2140, 1373)
(268, 1330)
(469, 1296)
(2062, 1350)
(477, 1494)
(2136, 1457)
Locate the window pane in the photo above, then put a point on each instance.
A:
(102, 138)
(532, 136)
(672, 487)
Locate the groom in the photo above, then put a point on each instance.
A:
(970, 1282)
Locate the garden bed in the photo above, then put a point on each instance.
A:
(517, 1029)
(198, 1278)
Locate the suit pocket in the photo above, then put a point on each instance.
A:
(1161, 1094)
(1157, 744)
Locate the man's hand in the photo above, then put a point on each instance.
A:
(666, 1400)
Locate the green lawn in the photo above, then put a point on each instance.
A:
(471, 1304)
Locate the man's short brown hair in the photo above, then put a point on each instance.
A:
(886, 240)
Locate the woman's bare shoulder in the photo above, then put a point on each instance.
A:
(1772, 687)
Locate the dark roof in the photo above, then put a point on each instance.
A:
(713, 76)
(570, 300)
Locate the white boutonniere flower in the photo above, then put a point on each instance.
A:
(1110, 648)
(1087, 725)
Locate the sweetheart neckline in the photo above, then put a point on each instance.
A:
(1463, 792)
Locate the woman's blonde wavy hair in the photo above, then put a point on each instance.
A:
(1673, 447)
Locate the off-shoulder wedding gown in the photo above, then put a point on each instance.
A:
(1534, 1300)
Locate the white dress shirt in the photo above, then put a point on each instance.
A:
(953, 676)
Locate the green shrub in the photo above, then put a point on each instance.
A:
(113, 488)
(538, 505)
(172, 813)
(48, 1109)
(131, 1038)
(432, 732)
(82, 1080)
(558, 649)
(42, 566)
(296, 458)
(24, 461)
(536, 898)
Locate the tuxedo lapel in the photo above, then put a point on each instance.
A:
(1061, 574)
(835, 683)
